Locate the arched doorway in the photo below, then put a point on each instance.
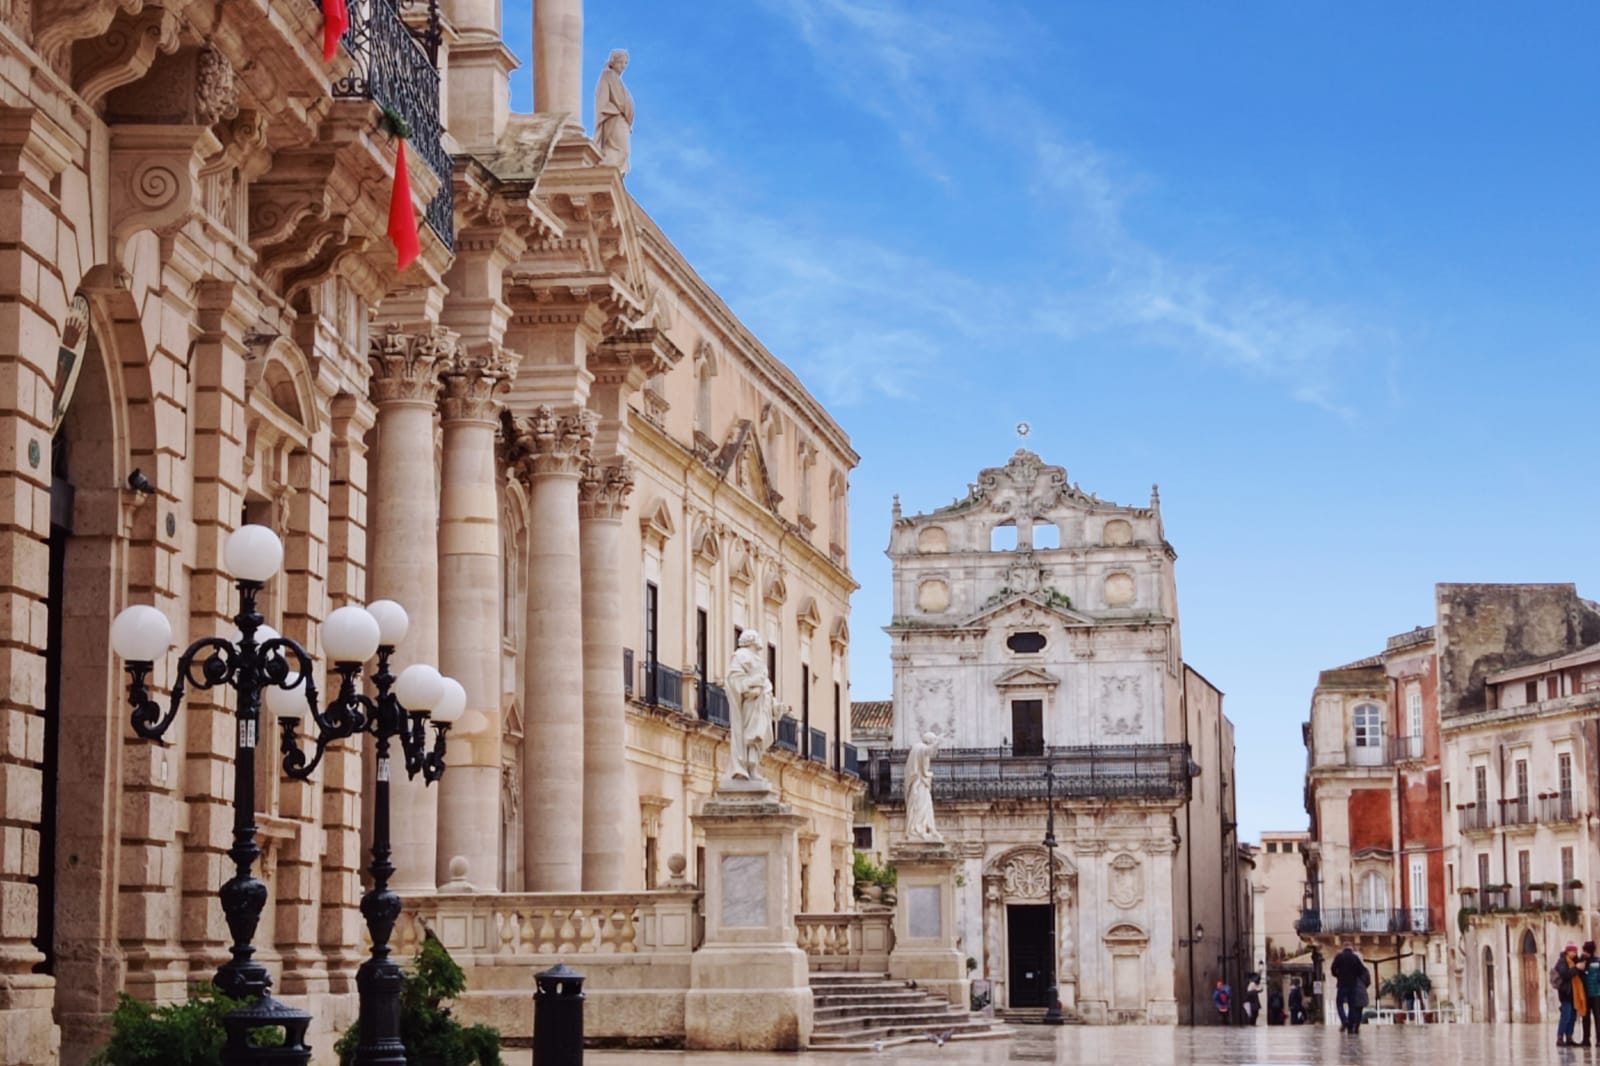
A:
(1488, 985)
(1532, 978)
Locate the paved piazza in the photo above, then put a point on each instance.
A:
(1454, 1045)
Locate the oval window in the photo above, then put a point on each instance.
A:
(1025, 643)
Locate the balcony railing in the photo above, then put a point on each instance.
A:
(713, 703)
(850, 759)
(1406, 748)
(395, 66)
(817, 745)
(663, 686)
(1160, 771)
(1516, 812)
(1557, 807)
(788, 737)
(627, 671)
(1376, 752)
(1335, 921)
(1475, 819)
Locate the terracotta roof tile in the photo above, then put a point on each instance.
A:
(872, 716)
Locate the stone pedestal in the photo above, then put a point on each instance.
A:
(750, 984)
(925, 921)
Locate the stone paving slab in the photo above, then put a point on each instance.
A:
(1424, 1045)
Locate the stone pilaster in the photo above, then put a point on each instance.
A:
(925, 921)
(608, 830)
(403, 516)
(469, 612)
(551, 451)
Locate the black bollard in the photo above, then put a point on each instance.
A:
(558, 1017)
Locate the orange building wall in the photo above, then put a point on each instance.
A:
(1370, 823)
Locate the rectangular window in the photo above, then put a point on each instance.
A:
(772, 668)
(1480, 786)
(1568, 866)
(863, 837)
(1521, 770)
(1414, 712)
(1449, 879)
(1552, 687)
(1530, 692)
(1419, 893)
(805, 699)
(1027, 727)
(1524, 867)
(1272, 847)
(652, 633)
(1483, 871)
(702, 656)
(1564, 777)
(838, 727)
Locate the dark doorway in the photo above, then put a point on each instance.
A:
(60, 532)
(1028, 955)
(1488, 985)
(1027, 727)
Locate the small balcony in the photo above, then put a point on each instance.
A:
(788, 738)
(1474, 819)
(1406, 749)
(1376, 751)
(1338, 921)
(1557, 808)
(663, 686)
(394, 50)
(850, 760)
(1102, 771)
(1515, 813)
(1497, 897)
(711, 703)
(817, 745)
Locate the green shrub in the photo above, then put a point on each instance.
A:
(175, 1034)
(428, 1031)
(867, 872)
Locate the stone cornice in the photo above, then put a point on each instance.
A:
(472, 385)
(629, 358)
(603, 489)
(406, 365)
(545, 443)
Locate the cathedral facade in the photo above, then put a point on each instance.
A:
(1084, 774)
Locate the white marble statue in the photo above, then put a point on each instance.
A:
(613, 113)
(749, 708)
(919, 789)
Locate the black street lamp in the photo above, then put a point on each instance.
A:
(260, 666)
(1052, 1010)
(399, 712)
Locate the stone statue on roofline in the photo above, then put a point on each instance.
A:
(613, 113)
(920, 826)
(749, 708)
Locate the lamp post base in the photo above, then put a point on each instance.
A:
(266, 1012)
(1052, 1012)
(378, 984)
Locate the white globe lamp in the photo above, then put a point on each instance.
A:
(141, 634)
(252, 553)
(452, 703)
(350, 635)
(419, 688)
(392, 622)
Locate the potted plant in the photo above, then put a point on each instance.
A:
(873, 882)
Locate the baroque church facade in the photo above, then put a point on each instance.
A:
(1036, 631)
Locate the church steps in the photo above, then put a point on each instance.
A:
(860, 1012)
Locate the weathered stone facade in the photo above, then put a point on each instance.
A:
(1060, 649)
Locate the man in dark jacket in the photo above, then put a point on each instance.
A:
(1351, 979)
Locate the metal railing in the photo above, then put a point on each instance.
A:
(712, 703)
(1516, 811)
(1092, 772)
(627, 671)
(850, 760)
(1475, 819)
(1406, 748)
(396, 67)
(817, 745)
(663, 686)
(1334, 921)
(788, 737)
(1558, 807)
(1376, 752)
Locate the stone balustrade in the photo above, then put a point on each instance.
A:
(847, 942)
(552, 923)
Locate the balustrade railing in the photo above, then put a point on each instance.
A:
(395, 66)
(1092, 772)
(537, 924)
(850, 942)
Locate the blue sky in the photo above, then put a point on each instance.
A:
(1327, 272)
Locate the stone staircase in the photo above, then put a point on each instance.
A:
(1035, 1016)
(867, 1011)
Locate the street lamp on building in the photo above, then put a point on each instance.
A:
(1052, 1010)
(261, 667)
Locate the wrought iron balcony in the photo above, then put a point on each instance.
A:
(1475, 819)
(394, 49)
(1557, 807)
(713, 703)
(1150, 771)
(850, 760)
(1514, 812)
(663, 686)
(1338, 921)
(788, 737)
(1406, 748)
(817, 745)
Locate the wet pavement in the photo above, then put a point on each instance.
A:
(1379, 1045)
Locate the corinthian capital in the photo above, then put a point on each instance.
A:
(406, 365)
(548, 443)
(472, 385)
(603, 489)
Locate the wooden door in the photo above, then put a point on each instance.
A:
(1533, 979)
(1027, 727)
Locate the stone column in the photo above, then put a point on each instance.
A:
(403, 516)
(925, 921)
(469, 612)
(558, 57)
(607, 796)
(550, 454)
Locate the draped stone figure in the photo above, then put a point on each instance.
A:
(749, 708)
(613, 113)
(919, 789)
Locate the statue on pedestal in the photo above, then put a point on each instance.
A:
(749, 708)
(919, 789)
(613, 113)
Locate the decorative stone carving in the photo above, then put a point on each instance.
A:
(1118, 533)
(1119, 590)
(405, 365)
(216, 89)
(1025, 574)
(124, 53)
(931, 540)
(933, 596)
(548, 443)
(1026, 877)
(1126, 881)
(1130, 725)
(472, 385)
(603, 489)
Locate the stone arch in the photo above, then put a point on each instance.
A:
(513, 554)
(1126, 933)
(1021, 873)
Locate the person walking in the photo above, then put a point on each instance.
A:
(1591, 990)
(1567, 978)
(1222, 999)
(1274, 1007)
(1297, 1003)
(1252, 997)
(1351, 980)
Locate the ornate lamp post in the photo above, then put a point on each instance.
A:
(1052, 1010)
(260, 666)
(399, 712)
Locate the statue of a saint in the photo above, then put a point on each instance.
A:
(919, 789)
(749, 708)
(613, 113)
